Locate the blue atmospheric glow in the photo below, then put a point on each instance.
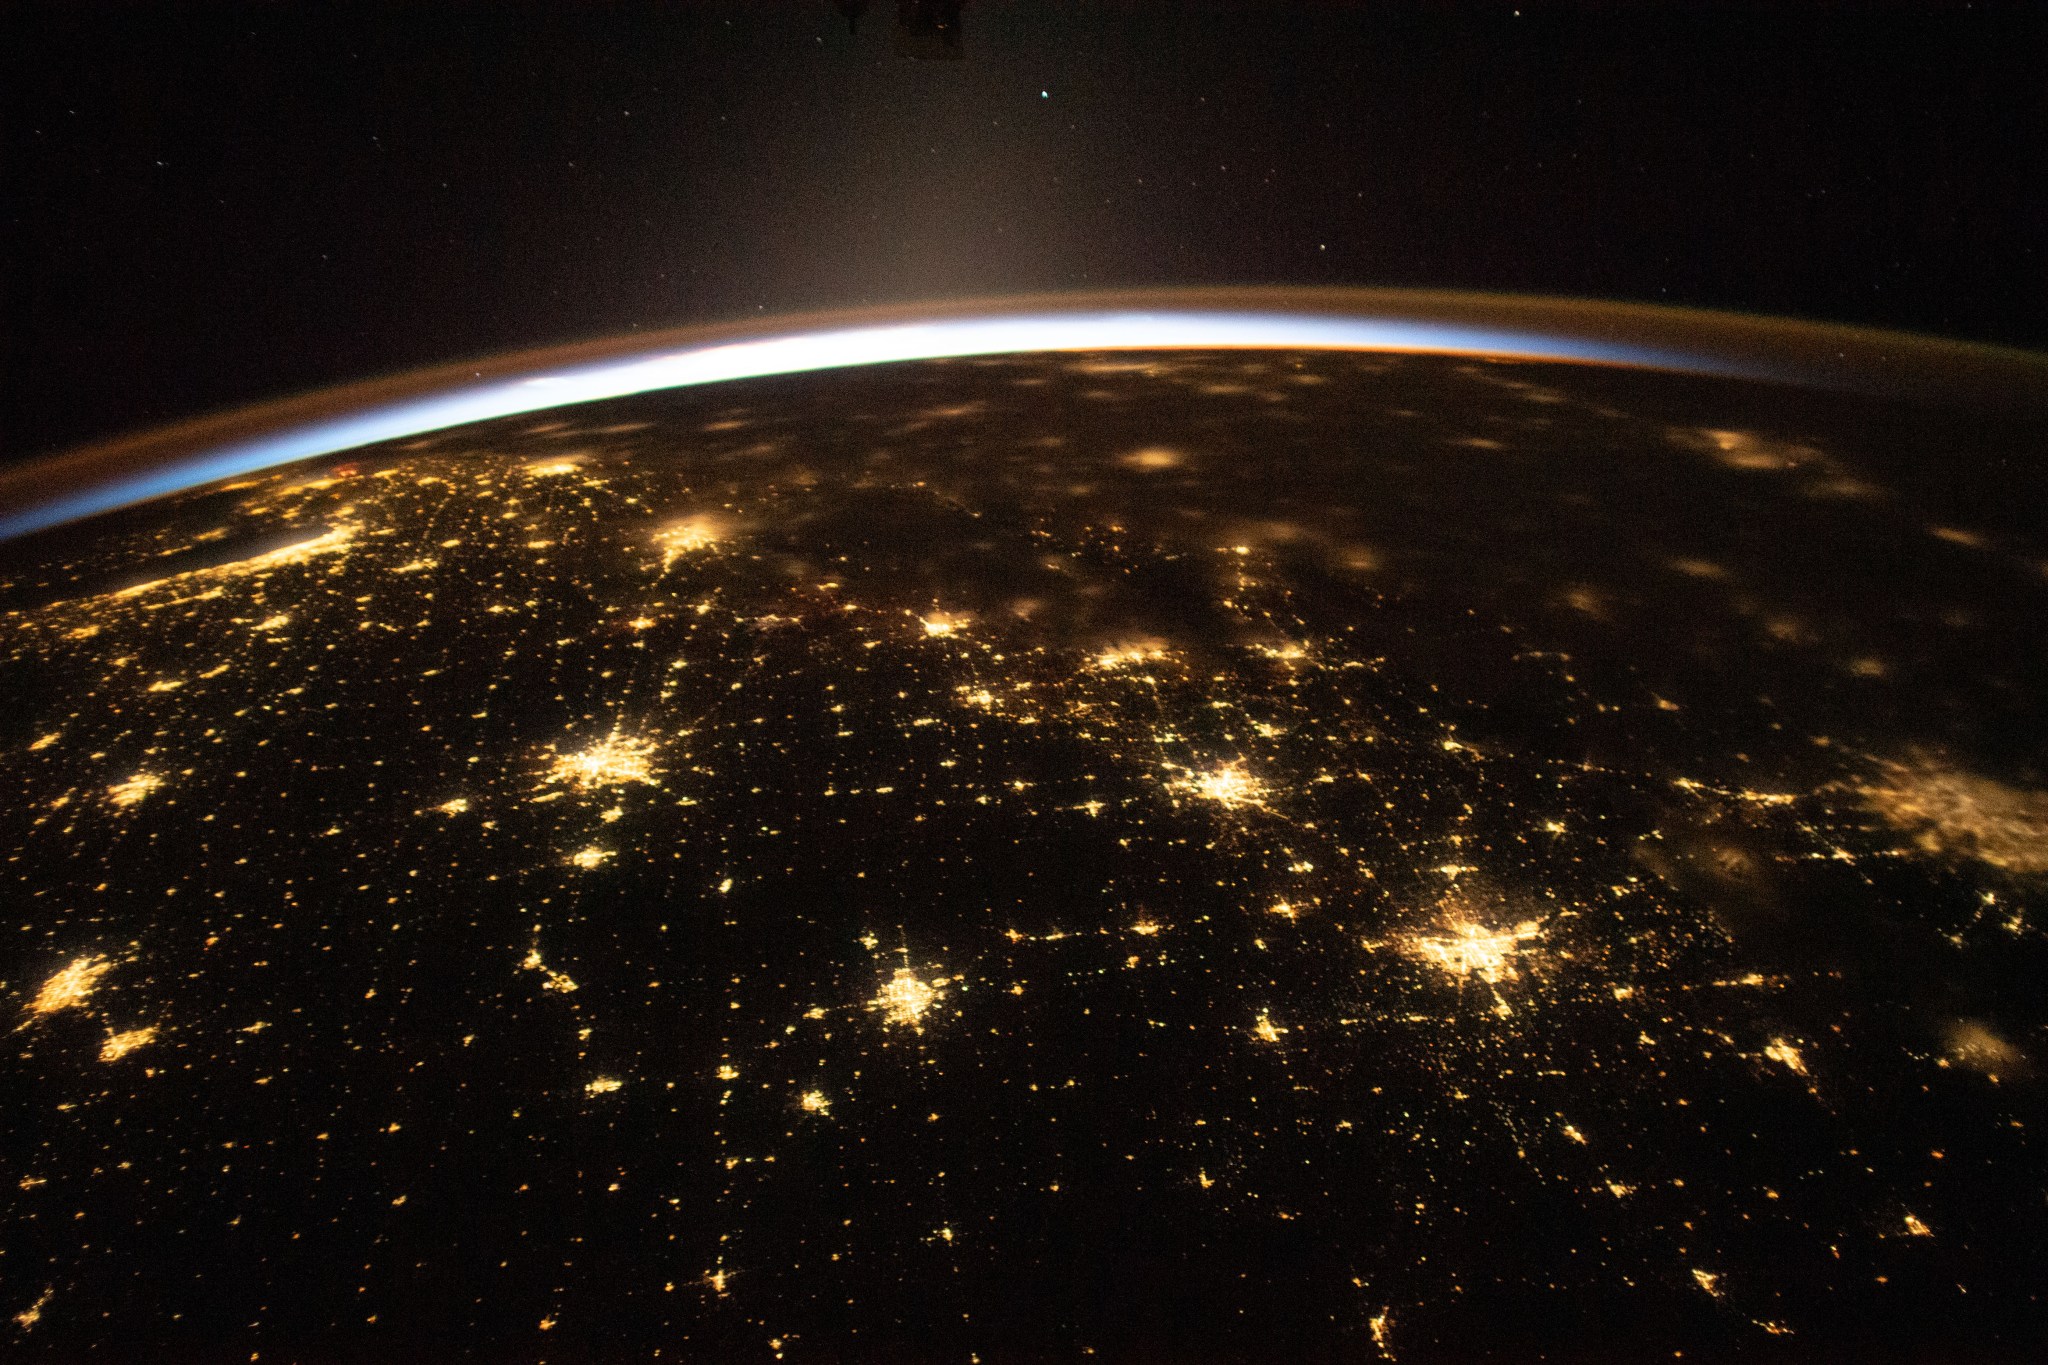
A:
(801, 353)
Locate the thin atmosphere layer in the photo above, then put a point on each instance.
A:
(86, 483)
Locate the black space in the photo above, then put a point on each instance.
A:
(211, 206)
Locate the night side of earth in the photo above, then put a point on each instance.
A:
(1252, 855)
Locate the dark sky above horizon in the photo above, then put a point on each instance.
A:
(212, 207)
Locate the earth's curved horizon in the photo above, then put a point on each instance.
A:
(164, 459)
(1193, 853)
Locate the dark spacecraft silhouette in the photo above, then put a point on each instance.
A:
(926, 30)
